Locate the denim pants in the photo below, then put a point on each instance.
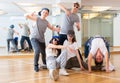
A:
(13, 43)
(57, 62)
(23, 38)
(38, 47)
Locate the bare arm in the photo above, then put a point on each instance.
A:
(20, 25)
(56, 46)
(63, 8)
(53, 28)
(31, 16)
(89, 62)
(16, 32)
(77, 24)
(107, 62)
(79, 60)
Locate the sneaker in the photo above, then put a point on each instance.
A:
(36, 68)
(63, 72)
(53, 74)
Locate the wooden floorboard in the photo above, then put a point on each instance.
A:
(18, 68)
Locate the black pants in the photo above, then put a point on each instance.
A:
(73, 62)
(62, 38)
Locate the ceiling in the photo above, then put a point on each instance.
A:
(20, 7)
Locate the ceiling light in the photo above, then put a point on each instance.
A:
(26, 4)
(108, 16)
(90, 16)
(32, 9)
(100, 8)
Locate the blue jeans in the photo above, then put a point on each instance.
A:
(13, 43)
(57, 62)
(38, 47)
(23, 38)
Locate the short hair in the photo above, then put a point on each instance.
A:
(76, 3)
(12, 26)
(39, 13)
(56, 38)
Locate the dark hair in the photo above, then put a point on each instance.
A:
(12, 26)
(98, 63)
(72, 33)
(77, 4)
(56, 39)
(39, 13)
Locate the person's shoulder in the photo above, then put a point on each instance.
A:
(66, 41)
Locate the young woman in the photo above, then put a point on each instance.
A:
(54, 62)
(37, 35)
(73, 56)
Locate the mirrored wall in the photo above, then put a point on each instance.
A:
(97, 24)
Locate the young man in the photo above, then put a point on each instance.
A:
(25, 32)
(69, 19)
(10, 36)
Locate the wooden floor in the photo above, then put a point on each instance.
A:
(18, 68)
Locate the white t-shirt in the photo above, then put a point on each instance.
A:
(50, 52)
(74, 46)
(98, 43)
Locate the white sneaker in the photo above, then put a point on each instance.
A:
(63, 72)
(53, 74)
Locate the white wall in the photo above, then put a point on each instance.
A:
(5, 22)
(78, 33)
(116, 31)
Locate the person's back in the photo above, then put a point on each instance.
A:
(87, 45)
(25, 30)
(10, 33)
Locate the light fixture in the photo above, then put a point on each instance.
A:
(26, 4)
(100, 8)
(29, 7)
(108, 16)
(32, 9)
(90, 16)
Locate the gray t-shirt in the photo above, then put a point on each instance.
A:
(39, 29)
(68, 22)
(10, 33)
(25, 30)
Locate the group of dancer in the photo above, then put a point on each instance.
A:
(63, 52)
